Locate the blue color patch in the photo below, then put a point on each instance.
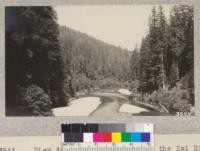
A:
(145, 137)
(136, 137)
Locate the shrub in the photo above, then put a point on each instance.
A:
(179, 100)
(175, 100)
(108, 83)
(133, 86)
(187, 82)
(36, 100)
(81, 82)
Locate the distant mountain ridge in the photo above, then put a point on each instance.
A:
(63, 27)
(92, 56)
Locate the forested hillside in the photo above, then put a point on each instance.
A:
(34, 74)
(164, 65)
(93, 63)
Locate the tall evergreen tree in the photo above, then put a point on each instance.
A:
(162, 45)
(181, 41)
(145, 81)
(155, 68)
(134, 64)
(34, 32)
(181, 25)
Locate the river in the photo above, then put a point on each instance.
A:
(101, 103)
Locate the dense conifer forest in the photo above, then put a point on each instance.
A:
(165, 68)
(48, 64)
(93, 63)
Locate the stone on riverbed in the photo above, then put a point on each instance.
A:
(128, 108)
(125, 91)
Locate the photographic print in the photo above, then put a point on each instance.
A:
(99, 60)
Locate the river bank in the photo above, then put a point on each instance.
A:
(101, 103)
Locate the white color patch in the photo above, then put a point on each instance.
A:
(79, 107)
(88, 137)
(148, 127)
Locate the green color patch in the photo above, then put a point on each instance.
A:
(126, 137)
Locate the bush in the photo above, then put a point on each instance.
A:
(133, 86)
(81, 82)
(174, 100)
(108, 83)
(179, 100)
(187, 83)
(36, 100)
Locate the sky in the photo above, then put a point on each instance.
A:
(120, 25)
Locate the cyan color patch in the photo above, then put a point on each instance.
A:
(136, 137)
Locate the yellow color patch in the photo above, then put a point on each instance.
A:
(116, 137)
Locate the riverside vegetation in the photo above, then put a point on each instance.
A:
(48, 64)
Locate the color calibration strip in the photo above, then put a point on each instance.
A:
(100, 137)
(99, 133)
